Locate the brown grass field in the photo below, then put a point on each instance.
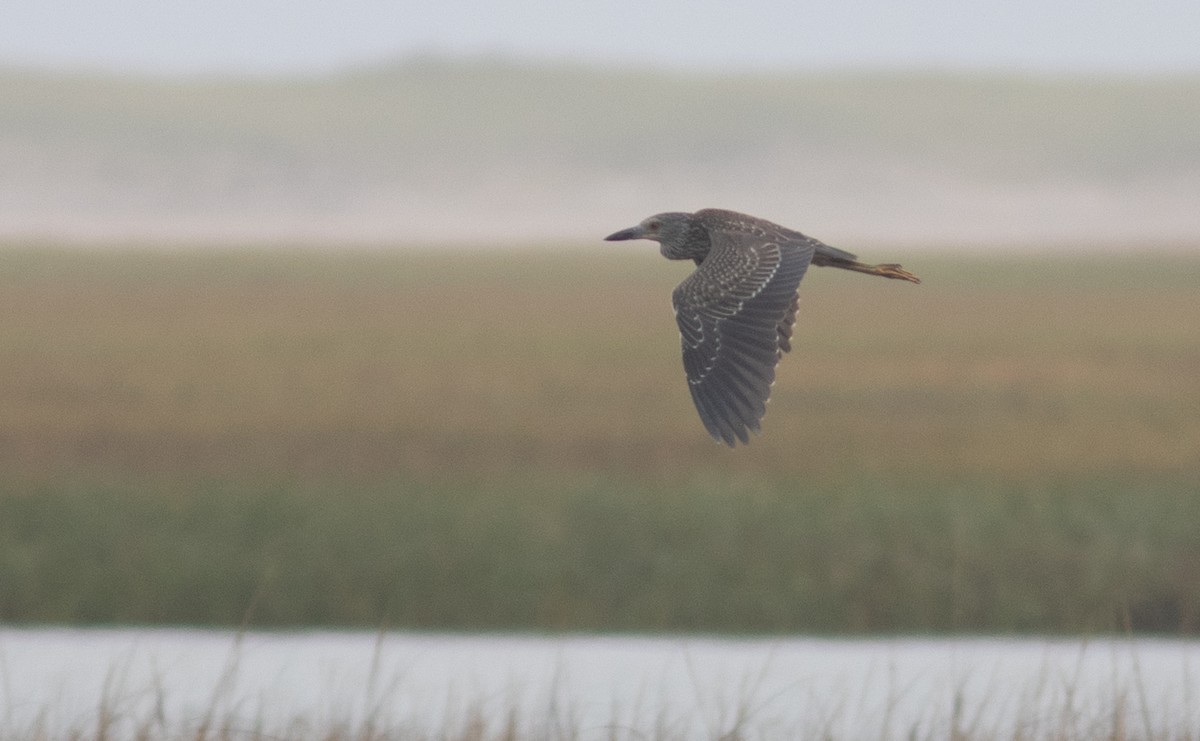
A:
(381, 363)
(1012, 445)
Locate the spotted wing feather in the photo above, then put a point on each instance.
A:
(735, 316)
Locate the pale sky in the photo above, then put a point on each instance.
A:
(269, 36)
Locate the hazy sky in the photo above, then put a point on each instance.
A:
(304, 35)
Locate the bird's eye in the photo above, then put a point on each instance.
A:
(654, 225)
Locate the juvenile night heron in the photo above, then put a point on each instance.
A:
(736, 310)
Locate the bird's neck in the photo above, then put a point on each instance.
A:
(693, 244)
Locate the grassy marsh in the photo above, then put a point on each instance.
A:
(504, 440)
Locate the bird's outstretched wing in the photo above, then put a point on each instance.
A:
(735, 315)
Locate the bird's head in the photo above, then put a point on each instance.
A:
(667, 228)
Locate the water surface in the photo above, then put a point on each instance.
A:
(670, 685)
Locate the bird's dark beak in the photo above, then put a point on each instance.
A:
(633, 232)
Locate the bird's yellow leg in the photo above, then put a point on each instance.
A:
(889, 270)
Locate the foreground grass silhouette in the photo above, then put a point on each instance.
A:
(226, 685)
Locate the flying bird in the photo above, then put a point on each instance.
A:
(736, 310)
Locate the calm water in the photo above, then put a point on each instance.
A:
(679, 685)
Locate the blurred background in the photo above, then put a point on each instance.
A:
(305, 318)
(924, 123)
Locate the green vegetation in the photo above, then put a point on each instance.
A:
(505, 440)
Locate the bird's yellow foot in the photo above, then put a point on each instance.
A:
(895, 271)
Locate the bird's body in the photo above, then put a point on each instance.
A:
(736, 310)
